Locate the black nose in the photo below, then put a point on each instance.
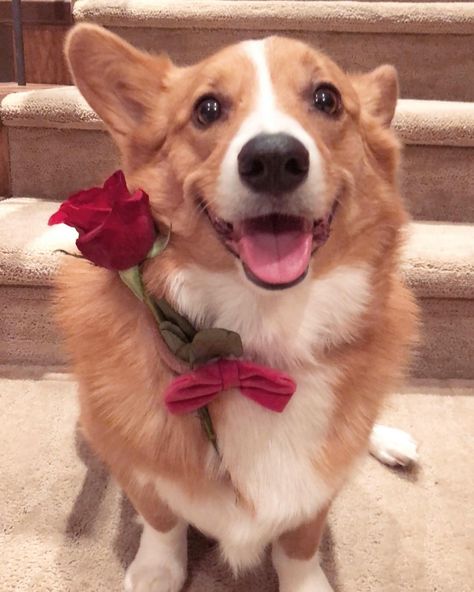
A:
(273, 163)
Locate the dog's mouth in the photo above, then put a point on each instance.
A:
(276, 249)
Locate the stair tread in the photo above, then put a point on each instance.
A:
(62, 107)
(288, 15)
(418, 122)
(438, 257)
(27, 244)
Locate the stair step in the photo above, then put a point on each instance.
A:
(7, 88)
(439, 262)
(57, 127)
(57, 144)
(28, 255)
(430, 43)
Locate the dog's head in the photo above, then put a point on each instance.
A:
(255, 154)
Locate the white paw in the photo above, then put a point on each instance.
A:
(160, 563)
(307, 582)
(142, 577)
(319, 584)
(392, 446)
(297, 575)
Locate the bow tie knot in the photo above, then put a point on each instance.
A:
(267, 387)
(230, 377)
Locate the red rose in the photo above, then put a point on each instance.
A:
(116, 229)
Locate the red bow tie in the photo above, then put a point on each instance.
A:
(267, 387)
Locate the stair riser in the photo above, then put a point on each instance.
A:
(27, 332)
(53, 163)
(447, 339)
(431, 66)
(437, 182)
(29, 337)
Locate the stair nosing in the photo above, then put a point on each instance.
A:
(280, 15)
(415, 120)
(416, 270)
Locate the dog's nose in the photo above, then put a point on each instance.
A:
(273, 163)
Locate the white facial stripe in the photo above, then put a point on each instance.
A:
(265, 111)
(267, 117)
(237, 201)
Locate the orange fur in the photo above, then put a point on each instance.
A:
(303, 542)
(110, 334)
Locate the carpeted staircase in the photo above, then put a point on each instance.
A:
(64, 527)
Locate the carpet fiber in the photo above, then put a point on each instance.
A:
(64, 526)
(430, 43)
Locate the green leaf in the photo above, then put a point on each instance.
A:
(176, 344)
(214, 343)
(132, 278)
(160, 244)
(167, 313)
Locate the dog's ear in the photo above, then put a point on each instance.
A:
(119, 82)
(378, 92)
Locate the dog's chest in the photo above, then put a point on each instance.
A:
(268, 482)
(270, 456)
(284, 330)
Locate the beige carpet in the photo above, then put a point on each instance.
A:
(65, 528)
(430, 43)
(380, 17)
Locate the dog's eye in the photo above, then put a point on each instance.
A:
(327, 98)
(207, 111)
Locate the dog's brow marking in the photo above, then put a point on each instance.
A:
(265, 104)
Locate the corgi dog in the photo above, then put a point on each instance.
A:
(244, 154)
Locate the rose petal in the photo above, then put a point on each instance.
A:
(116, 229)
(94, 196)
(116, 188)
(121, 241)
(77, 210)
(58, 217)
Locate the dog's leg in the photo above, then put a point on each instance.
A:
(160, 564)
(161, 561)
(392, 446)
(296, 558)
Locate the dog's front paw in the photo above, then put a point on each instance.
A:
(393, 447)
(154, 577)
(299, 575)
(309, 582)
(160, 563)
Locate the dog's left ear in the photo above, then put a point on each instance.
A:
(119, 82)
(378, 92)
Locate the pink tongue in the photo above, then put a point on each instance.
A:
(278, 257)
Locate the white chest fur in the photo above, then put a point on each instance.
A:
(281, 328)
(269, 455)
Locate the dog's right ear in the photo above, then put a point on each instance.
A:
(378, 92)
(119, 82)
